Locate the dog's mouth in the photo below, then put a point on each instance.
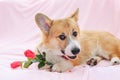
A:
(72, 57)
(66, 56)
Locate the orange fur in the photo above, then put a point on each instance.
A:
(92, 43)
(91, 40)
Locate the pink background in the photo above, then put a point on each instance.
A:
(19, 32)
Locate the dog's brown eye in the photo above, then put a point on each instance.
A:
(62, 37)
(75, 33)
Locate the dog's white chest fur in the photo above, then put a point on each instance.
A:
(99, 52)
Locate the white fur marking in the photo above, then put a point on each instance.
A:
(72, 44)
(115, 60)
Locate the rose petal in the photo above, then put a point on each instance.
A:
(29, 54)
(16, 64)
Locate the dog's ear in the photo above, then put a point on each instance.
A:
(43, 22)
(74, 16)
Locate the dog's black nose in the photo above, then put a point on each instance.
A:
(75, 51)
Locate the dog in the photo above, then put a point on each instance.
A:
(66, 46)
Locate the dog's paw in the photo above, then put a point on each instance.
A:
(62, 67)
(56, 68)
(115, 61)
(92, 62)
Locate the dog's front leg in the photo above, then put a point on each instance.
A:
(62, 66)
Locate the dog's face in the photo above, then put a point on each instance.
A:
(60, 36)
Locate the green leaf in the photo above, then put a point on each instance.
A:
(44, 54)
(43, 59)
(41, 64)
(40, 58)
(27, 64)
(48, 63)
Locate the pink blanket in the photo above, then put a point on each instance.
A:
(19, 32)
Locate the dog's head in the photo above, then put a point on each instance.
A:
(61, 35)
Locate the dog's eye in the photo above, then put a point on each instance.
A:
(62, 37)
(75, 33)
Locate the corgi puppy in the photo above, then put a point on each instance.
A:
(66, 46)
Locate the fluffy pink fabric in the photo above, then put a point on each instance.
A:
(19, 32)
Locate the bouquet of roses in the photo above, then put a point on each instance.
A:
(31, 58)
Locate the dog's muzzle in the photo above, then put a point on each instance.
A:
(66, 56)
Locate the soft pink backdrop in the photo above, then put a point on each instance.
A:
(19, 32)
